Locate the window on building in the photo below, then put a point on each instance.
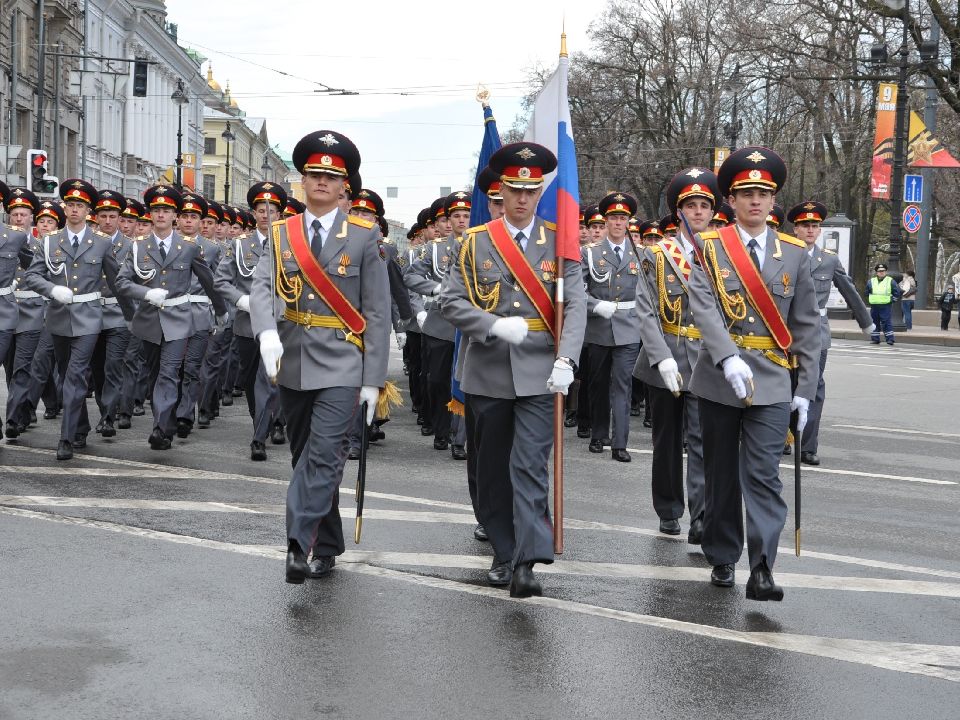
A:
(210, 146)
(209, 184)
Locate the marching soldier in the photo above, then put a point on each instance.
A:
(755, 306)
(722, 217)
(193, 213)
(218, 344)
(328, 270)
(596, 224)
(827, 272)
(158, 272)
(776, 217)
(69, 268)
(671, 344)
(234, 278)
(500, 296)
(411, 342)
(610, 273)
(114, 335)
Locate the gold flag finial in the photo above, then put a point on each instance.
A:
(563, 38)
(483, 94)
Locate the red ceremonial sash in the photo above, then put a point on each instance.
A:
(756, 288)
(677, 259)
(523, 272)
(318, 278)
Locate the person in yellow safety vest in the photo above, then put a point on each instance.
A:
(881, 292)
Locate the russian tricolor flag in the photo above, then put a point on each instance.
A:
(550, 126)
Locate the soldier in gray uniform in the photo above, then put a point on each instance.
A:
(158, 272)
(671, 343)
(234, 277)
(513, 364)
(218, 345)
(69, 269)
(21, 206)
(114, 335)
(827, 272)
(755, 305)
(333, 336)
(192, 211)
(133, 363)
(611, 269)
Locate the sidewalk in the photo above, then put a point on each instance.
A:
(920, 335)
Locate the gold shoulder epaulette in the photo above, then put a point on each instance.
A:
(18, 228)
(359, 221)
(100, 234)
(386, 241)
(282, 221)
(190, 238)
(550, 225)
(710, 235)
(138, 237)
(476, 229)
(830, 252)
(791, 239)
(653, 248)
(439, 240)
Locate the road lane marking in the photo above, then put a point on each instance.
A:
(869, 365)
(124, 504)
(899, 430)
(937, 370)
(898, 375)
(938, 661)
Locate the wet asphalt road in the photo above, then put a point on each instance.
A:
(136, 583)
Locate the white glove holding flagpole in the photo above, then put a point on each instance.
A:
(802, 407)
(369, 395)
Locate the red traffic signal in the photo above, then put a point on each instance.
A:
(39, 159)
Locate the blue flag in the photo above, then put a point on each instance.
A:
(479, 215)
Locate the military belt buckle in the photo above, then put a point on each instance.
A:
(739, 341)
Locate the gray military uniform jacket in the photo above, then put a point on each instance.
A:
(661, 278)
(112, 312)
(416, 299)
(491, 366)
(203, 320)
(234, 276)
(145, 269)
(607, 279)
(83, 271)
(791, 285)
(323, 357)
(31, 305)
(828, 270)
(425, 275)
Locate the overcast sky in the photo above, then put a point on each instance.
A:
(433, 52)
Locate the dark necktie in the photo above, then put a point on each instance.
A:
(76, 243)
(619, 251)
(753, 253)
(163, 249)
(520, 237)
(316, 243)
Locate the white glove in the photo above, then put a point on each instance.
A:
(369, 395)
(436, 290)
(511, 329)
(737, 373)
(62, 295)
(802, 406)
(271, 350)
(605, 309)
(421, 318)
(244, 303)
(670, 374)
(870, 329)
(156, 296)
(401, 340)
(561, 378)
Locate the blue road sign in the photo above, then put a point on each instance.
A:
(912, 218)
(913, 188)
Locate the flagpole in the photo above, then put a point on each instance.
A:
(558, 398)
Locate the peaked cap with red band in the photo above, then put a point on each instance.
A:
(326, 151)
(78, 190)
(110, 200)
(457, 201)
(163, 196)
(489, 182)
(523, 165)
(267, 192)
(751, 167)
(692, 182)
(618, 203)
(809, 211)
(193, 203)
(368, 200)
(294, 207)
(133, 210)
(22, 198)
(776, 216)
(53, 210)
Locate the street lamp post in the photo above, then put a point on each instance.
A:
(735, 85)
(265, 165)
(179, 96)
(229, 137)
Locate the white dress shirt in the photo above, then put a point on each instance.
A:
(761, 241)
(326, 222)
(527, 231)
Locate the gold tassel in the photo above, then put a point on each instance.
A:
(789, 437)
(456, 407)
(390, 397)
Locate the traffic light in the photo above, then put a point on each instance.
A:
(139, 79)
(39, 181)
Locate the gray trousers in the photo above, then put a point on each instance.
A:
(261, 395)
(41, 372)
(513, 442)
(674, 419)
(211, 372)
(458, 430)
(18, 389)
(74, 355)
(611, 384)
(108, 376)
(6, 342)
(190, 380)
(317, 422)
(133, 363)
(741, 450)
(811, 433)
(164, 362)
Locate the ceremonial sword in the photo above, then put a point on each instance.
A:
(361, 473)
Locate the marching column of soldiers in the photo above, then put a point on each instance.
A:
(709, 321)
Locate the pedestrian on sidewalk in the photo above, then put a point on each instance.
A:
(908, 286)
(947, 300)
(881, 292)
